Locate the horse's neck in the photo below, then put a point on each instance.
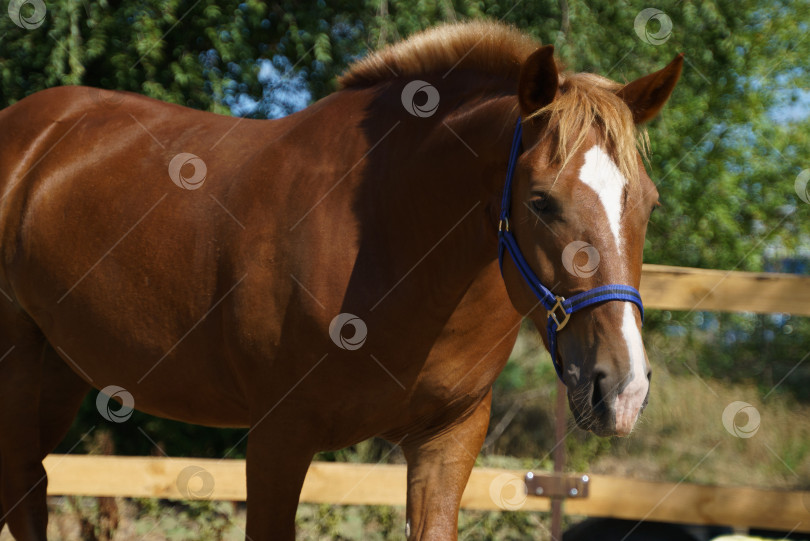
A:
(459, 170)
(438, 202)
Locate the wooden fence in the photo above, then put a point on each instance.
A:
(367, 484)
(683, 288)
(662, 287)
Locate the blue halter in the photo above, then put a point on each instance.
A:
(559, 308)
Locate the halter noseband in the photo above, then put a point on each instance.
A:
(559, 308)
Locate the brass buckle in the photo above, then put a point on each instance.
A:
(503, 225)
(552, 313)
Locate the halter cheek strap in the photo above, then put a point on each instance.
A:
(558, 308)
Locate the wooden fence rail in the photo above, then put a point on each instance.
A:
(488, 489)
(662, 287)
(684, 288)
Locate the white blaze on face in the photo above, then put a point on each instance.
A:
(628, 403)
(600, 173)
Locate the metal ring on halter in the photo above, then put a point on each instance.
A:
(552, 313)
(503, 224)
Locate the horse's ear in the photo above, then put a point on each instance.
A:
(538, 80)
(646, 96)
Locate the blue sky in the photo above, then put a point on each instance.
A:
(285, 91)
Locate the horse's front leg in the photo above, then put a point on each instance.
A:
(277, 463)
(439, 465)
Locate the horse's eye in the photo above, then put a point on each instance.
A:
(540, 202)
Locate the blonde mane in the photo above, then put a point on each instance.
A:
(584, 101)
(588, 101)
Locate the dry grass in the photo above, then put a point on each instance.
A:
(680, 435)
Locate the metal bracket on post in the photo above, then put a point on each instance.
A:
(557, 486)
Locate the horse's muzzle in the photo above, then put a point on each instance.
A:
(608, 409)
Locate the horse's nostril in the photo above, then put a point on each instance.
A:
(649, 375)
(597, 398)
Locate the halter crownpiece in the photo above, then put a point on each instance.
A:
(558, 308)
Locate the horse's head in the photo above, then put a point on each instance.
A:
(580, 203)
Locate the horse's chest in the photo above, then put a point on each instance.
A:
(472, 347)
(467, 358)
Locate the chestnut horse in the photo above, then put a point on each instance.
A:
(326, 277)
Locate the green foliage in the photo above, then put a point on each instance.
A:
(189, 52)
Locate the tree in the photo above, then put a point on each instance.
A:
(198, 53)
